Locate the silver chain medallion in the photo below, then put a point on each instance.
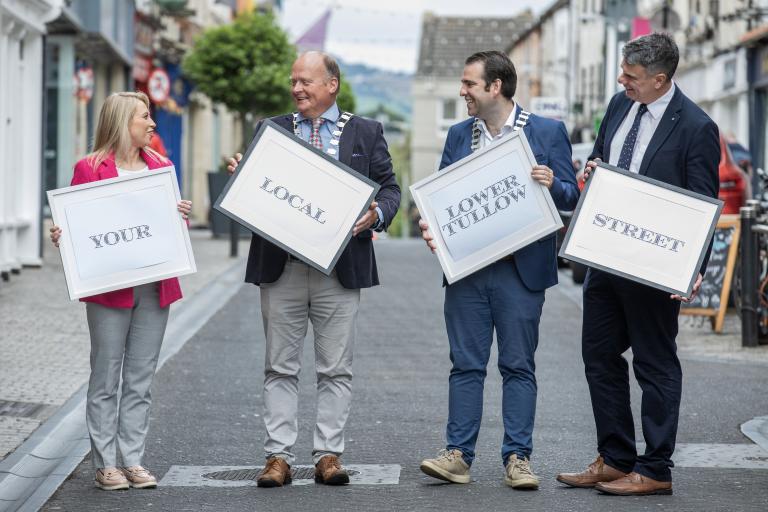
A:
(522, 119)
(341, 122)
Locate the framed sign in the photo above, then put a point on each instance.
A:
(641, 229)
(297, 197)
(712, 299)
(485, 206)
(121, 232)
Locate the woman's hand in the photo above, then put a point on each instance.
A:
(185, 207)
(232, 163)
(55, 235)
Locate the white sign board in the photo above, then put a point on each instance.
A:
(121, 232)
(641, 229)
(550, 106)
(297, 197)
(485, 206)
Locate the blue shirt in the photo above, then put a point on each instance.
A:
(331, 116)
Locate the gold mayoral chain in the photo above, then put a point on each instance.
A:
(522, 119)
(341, 122)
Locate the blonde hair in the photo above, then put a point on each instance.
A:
(112, 135)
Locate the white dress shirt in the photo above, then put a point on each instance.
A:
(648, 124)
(486, 138)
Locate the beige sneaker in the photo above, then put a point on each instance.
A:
(111, 479)
(449, 466)
(519, 475)
(140, 477)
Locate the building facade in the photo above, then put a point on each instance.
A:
(22, 30)
(445, 44)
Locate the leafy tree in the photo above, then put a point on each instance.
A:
(244, 65)
(346, 98)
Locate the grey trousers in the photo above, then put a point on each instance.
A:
(301, 294)
(127, 341)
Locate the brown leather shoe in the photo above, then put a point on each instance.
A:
(634, 484)
(276, 473)
(596, 472)
(328, 471)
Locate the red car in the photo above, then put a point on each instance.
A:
(735, 187)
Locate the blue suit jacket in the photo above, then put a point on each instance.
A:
(537, 262)
(363, 148)
(684, 150)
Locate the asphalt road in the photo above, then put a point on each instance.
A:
(207, 407)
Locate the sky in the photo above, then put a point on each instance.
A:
(385, 34)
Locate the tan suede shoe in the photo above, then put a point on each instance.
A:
(634, 484)
(140, 478)
(276, 473)
(596, 472)
(111, 479)
(328, 471)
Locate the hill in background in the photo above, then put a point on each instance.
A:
(374, 87)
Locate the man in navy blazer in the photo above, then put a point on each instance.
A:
(293, 293)
(507, 295)
(652, 129)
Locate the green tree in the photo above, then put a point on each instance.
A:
(346, 98)
(244, 65)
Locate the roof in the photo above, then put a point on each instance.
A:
(535, 25)
(446, 42)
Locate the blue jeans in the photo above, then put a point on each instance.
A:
(493, 297)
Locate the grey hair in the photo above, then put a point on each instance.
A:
(656, 52)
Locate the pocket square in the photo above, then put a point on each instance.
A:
(357, 154)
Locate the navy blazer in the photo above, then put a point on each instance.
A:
(537, 262)
(684, 150)
(363, 148)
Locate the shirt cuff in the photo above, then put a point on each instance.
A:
(379, 226)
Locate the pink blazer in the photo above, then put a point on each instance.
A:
(168, 289)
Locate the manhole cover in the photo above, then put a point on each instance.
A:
(300, 473)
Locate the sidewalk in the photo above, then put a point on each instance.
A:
(44, 344)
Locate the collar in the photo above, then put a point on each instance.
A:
(509, 124)
(657, 108)
(332, 114)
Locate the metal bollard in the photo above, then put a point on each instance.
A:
(754, 203)
(748, 277)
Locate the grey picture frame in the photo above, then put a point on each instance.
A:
(576, 228)
(316, 161)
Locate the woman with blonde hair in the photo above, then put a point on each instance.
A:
(126, 326)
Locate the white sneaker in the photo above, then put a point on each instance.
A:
(111, 479)
(449, 466)
(519, 475)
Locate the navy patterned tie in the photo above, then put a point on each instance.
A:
(629, 143)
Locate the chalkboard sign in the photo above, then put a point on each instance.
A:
(712, 299)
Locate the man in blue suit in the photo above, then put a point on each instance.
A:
(508, 295)
(652, 129)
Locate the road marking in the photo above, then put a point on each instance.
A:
(726, 456)
(194, 476)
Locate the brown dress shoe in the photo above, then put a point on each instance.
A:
(596, 472)
(635, 484)
(328, 471)
(276, 473)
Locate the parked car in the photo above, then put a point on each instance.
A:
(735, 185)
